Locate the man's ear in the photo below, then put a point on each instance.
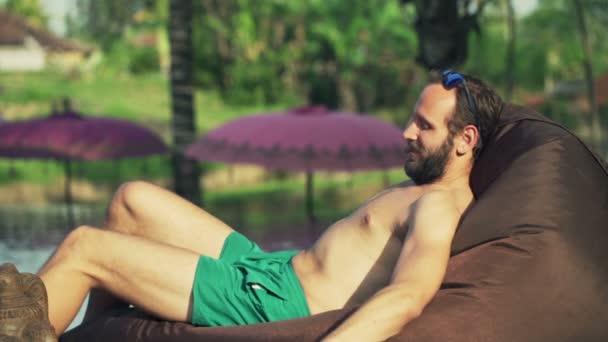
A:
(467, 140)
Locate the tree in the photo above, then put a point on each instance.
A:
(353, 55)
(443, 28)
(29, 9)
(596, 131)
(510, 55)
(186, 173)
(106, 21)
(357, 61)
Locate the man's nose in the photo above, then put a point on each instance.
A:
(410, 132)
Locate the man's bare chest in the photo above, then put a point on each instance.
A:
(387, 213)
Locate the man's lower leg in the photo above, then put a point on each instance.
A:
(66, 283)
(118, 219)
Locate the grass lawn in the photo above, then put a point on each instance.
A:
(144, 99)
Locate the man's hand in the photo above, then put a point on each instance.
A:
(417, 276)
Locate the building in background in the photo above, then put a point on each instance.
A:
(24, 47)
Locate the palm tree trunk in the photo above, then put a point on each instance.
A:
(596, 131)
(69, 202)
(510, 57)
(185, 171)
(310, 209)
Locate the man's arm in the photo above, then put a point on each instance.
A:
(417, 276)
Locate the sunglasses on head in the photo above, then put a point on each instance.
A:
(451, 79)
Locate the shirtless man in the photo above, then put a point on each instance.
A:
(172, 259)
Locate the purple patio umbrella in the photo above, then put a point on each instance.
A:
(70, 136)
(304, 139)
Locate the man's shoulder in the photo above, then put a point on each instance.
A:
(435, 216)
(404, 187)
(436, 202)
(405, 184)
(438, 195)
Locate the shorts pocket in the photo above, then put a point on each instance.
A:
(270, 305)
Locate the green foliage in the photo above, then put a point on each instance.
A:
(262, 52)
(487, 52)
(105, 21)
(31, 10)
(364, 55)
(561, 112)
(355, 55)
(548, 50)
(144, 60)
(551, 32)
(118, 57)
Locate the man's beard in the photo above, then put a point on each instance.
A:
(430, 165)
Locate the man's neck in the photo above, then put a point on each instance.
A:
(455, 177)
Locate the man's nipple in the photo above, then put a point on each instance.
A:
(367, 219)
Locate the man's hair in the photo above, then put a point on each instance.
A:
(489, 105)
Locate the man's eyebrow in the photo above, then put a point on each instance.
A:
(419, 117)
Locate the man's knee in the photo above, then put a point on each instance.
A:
(80, 251)
(78, 244)
(133, 194)
(129, 199)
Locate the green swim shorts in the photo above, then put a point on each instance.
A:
(246, 285)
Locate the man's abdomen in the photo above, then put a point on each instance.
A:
(345, 267)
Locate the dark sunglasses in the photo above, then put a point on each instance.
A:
(451, 79)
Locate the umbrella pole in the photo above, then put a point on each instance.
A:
(116, 174)
(309, 198)
(385, 179)
(68, 193)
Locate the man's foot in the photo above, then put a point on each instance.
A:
(23, 307)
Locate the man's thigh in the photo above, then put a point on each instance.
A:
(151, 275)
(166, 217)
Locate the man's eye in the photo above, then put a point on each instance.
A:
(422, 125)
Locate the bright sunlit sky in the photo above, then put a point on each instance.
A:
(523, 7)
(57, 9)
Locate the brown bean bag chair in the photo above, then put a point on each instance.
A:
(529, 261)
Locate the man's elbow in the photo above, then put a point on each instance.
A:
(411, 311)
(409, 307)
(406, 310)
